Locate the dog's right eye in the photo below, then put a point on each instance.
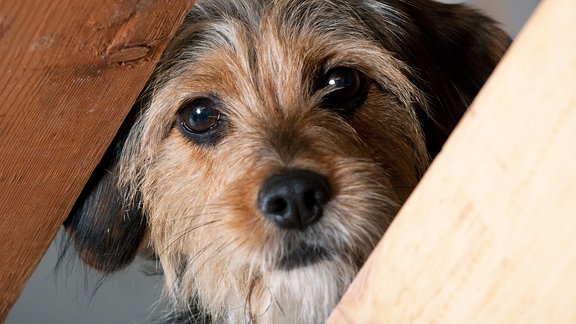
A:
(346, 89)
(200, 119)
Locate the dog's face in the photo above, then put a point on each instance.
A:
(275, 144)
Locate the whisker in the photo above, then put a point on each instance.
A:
(186, 232)
(248, 303)
(177, 219)
(220, 248)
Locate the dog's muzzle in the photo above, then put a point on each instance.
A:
(294, 199)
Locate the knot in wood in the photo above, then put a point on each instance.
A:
(127, 53)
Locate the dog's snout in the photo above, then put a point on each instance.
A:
(294, 199)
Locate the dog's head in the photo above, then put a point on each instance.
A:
(276, 142)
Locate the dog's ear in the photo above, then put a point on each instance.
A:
(453, 51)
(106, 229)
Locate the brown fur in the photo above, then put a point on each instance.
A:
(261, 62)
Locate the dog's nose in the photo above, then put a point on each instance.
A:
(294, 199)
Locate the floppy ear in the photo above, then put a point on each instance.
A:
(454, 51)
(105, 229)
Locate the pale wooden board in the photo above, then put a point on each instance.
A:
(69, 72)
(489, 235)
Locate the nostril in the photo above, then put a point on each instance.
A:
(277, 205)
(294, 198)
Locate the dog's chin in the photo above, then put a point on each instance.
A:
(306, 290)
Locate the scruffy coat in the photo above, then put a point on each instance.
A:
(362, 93)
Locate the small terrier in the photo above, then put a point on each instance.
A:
(275, 143)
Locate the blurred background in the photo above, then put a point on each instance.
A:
(512, 14)
(77, 295)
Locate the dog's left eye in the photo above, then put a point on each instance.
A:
(199, 116)
(346, 88)
(200, 119)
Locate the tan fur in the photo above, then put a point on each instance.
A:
(201, 201)
(216, 247)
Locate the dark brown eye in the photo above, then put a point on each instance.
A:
(346, 89)
(201, 121)
(199, 116)
(344, 83)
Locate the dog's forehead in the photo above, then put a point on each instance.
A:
(295, 16)
(240, 47)
(232, 23)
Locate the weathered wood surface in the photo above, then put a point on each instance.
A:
(69, 72)
(489, 235)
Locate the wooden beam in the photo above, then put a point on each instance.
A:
(489, 235)
(69, 72)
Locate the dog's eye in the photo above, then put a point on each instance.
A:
(343, 83)
(201, 121)
(199, 116)
(346, 88)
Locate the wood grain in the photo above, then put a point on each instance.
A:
(489, 235)
(69, 72)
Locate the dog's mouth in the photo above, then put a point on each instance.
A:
(302, 256)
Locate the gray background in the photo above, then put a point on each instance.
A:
(70, 296)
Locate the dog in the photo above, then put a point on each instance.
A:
(275, 143)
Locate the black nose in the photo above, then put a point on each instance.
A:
(294, 199)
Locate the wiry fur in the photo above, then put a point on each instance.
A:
(261, 60)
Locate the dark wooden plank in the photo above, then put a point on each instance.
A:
(69, 72)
